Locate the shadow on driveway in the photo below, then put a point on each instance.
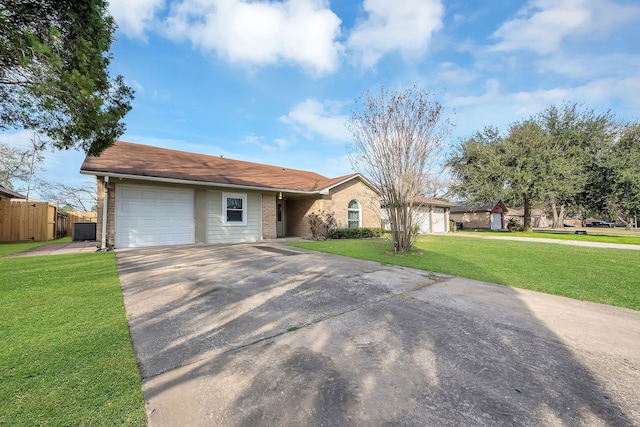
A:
(268, 335)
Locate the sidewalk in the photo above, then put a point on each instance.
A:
(59, 249)
(546, 240)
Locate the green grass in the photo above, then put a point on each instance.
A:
(607, 276)
(65, 352)
(605, 238)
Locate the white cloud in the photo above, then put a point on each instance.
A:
(314, 117)
(591, 65)
(134, 16)
(543, 24)
(279, 144)
(451, 73)
(499, 107)
(301, 32)
(395, 25)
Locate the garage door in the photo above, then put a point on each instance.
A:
(153, 216)
(439, 220)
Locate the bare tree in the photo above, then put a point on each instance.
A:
(398, 138)
(80, 197)
(18, 165)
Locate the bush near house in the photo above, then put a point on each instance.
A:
(514, 225)
(322, 224)
(357, 233)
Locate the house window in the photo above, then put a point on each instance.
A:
(354, 214)
(234, 209)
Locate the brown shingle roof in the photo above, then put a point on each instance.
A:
(5, 192)
(431, 201)
(126, 158)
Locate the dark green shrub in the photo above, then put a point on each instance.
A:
(514, 225)
(356, 233)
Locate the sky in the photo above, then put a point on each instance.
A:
(275, 82)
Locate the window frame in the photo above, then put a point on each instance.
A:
(358, 210)
(243, 197)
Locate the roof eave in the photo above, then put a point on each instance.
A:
(201, 183)
(357, 175)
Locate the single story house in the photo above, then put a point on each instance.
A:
(487, 217)
(150, 196)
(6, 194)
(430, 215)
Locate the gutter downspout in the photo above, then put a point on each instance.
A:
(103, 245)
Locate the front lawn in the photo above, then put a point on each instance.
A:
(607, 276)
(65, 352)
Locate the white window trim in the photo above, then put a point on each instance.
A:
(242, 196)
(359, 212)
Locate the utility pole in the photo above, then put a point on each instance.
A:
(36, 148)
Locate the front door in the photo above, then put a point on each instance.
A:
(496, 221)
(280, 226)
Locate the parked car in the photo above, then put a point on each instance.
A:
(602, 224)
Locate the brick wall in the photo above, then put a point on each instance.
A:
(355, 190)
(298, 211)
(337, 202)
(472, 220)
(269, 216)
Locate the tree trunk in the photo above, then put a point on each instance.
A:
(401, 223)
(558, 215)
(527, 214)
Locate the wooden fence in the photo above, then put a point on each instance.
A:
(79, 217)
(37, 221)
(23, 221)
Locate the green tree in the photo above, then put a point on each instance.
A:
(476, 168)
(397, 140)
(575, 137)
(543, 160)
(514, 168)
(54, 58)
(614, 184)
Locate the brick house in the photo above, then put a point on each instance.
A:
(487, 217)
(156, 196)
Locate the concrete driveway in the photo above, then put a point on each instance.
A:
(264, 334)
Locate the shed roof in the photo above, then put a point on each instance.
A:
(10, 194)
(483, 208)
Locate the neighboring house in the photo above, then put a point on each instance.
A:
(157, 196)
(538, 217)
(430, 215)
(6, 194)
(488, 217)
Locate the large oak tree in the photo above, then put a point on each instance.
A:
(54, 77)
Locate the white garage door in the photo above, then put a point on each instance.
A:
(153, 216)
(439, 220)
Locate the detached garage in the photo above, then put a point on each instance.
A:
(153, 216)
(430, 215)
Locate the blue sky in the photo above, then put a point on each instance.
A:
(275, 82)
